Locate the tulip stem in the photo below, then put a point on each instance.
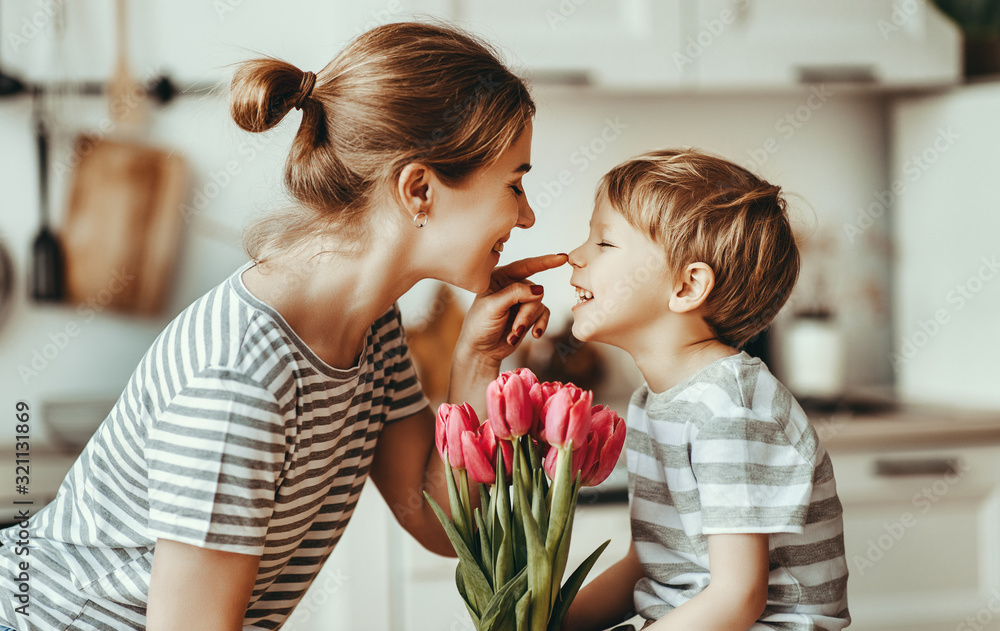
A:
(463, 490)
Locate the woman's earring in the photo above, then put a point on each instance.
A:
(420, 219)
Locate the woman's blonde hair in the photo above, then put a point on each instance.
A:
(399, 93)
(702, 208)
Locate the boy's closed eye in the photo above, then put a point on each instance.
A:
(605, 244)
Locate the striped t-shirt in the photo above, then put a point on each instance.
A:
(231, 435)
(728, 451)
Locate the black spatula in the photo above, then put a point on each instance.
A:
(48, 283)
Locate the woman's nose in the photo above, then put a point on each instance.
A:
(525, 216)
(576, 257)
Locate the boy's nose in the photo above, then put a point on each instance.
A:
(576, 257)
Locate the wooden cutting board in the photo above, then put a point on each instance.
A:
(122, 225)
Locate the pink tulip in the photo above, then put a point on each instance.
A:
(477, 462)
(510, 407)
(551, 461)
(452, 422)
(479, 452)
(598, 458)
(607, 435)
(566, 416)
(489, 442)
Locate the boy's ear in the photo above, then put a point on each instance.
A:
(415, 188)
(692, 287)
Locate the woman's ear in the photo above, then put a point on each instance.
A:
(692, 288)
(414, 188)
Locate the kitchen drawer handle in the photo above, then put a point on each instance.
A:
(861, 73)
(915, 467)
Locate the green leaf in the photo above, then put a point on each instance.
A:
(486, 557)
(536, 461)
(457, 512)
(572, 586)
(499, 613)
(463, 494)
(562, 497)
(523, 612)
(517, 510)
(525, 469)
(539, 566)
(460, 583)
(478, 587)
(538, 507)
(562, 550)
(505, 560)
(486, 503)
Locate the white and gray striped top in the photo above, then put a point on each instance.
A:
(729, 450)
(231, 435)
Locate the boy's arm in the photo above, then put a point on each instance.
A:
(737, 594)
(607, 600)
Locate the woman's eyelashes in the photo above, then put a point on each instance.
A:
(517, 190)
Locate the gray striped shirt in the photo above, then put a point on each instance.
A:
(232, 435)
(729, 450)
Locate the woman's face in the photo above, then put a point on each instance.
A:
(472, 221)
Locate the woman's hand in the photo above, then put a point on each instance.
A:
(498, 320)
(508, 310)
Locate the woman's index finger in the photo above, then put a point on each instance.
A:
(520, 270)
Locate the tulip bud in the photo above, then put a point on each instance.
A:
(477, 462)
(489, 442)
(604, 446)
(509, 405)
(551, 461)
(567, 416)
(451, 422)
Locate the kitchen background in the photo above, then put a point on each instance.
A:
(869, 114)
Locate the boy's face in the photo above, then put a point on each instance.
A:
(621, 281)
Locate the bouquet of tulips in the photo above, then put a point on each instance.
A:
(512, 550)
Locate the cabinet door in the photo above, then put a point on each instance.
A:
(773, 43)
(922, 532)
(619, 43)
(944, 211)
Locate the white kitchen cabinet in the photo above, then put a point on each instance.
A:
(944, 205)
(611, 43)
(922, 533)
(775, 43)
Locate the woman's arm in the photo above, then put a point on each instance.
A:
(198, 589)
(737, 594)
(406, 464)
(606, 600)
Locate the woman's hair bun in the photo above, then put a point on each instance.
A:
(262, 92)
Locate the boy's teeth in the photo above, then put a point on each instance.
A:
(582, 295)
(498, 246)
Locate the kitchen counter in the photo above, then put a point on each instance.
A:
(911, 427)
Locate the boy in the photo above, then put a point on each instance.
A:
(735, 518)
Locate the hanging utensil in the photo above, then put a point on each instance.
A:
(125, 96)
(48, 278)
(9, 85)
(6, 282)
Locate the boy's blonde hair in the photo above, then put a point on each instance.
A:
(702, 208)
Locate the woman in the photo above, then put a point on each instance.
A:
(214, 491)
